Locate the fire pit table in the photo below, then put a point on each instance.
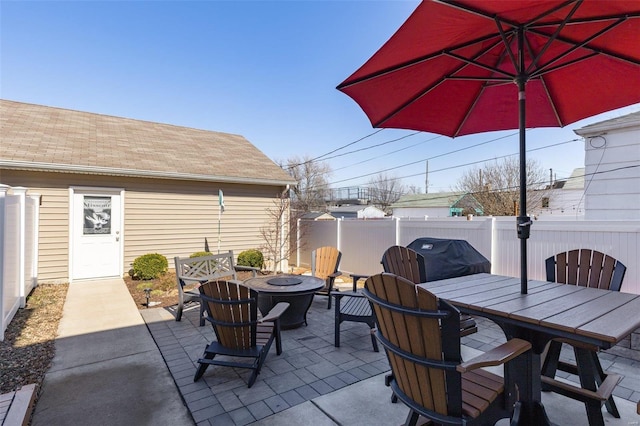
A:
(298, 290)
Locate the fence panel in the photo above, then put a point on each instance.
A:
(11, 259)
(314, 234)
(476, 232)
(362, 243)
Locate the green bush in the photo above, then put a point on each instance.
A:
(200, 254)
(252, 258)
(149, 266)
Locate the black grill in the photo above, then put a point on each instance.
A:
(445, 258)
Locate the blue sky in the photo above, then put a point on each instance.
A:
(266, 70)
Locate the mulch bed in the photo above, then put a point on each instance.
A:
(29, 340)
(164, 290)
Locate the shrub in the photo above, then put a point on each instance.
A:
(252, 258)
(200, 254)
(149, 266)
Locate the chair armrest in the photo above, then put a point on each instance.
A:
(335, 274)
(247, 268)
(496, 356)
(275, 312)
(355, 278)
(338, 293)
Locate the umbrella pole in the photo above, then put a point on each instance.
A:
(523, 221)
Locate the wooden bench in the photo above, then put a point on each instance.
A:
(200, 270)
(16, 407)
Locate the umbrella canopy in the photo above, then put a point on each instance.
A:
(462, 67)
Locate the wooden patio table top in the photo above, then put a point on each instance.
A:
(549, 310)
(590, 315)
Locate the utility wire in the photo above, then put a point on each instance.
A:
(451, 167)
(336, 150)
(516, 187)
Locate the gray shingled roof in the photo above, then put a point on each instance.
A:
(35, 137)
(435, 199)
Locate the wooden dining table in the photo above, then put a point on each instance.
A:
(549, 310)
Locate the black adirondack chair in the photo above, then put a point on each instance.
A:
(232, 309)
(586, 268)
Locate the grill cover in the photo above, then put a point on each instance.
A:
(449, 258)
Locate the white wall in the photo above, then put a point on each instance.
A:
(612, 172)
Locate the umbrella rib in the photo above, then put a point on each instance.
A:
(587, 20)
(468, 113)
(412, 62)
(546, 70)
(585, 44)
(466, 8)
(551, 101)
(507, 44)
(553, 37)
(479, 65)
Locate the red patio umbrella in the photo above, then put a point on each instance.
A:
(458, 67)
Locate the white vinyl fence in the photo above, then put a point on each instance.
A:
(18, 250)
(362, 242)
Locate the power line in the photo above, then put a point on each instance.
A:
(335, 150)
(450, 167)
(516, 187)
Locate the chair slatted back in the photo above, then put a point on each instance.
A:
(232, 309)
(421, 337)
(586, 268)
(404, 262)
(205, 268)
(325, 261)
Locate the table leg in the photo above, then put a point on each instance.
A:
(586, 373)
(523, 377)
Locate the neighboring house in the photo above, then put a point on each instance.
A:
(440, 204)
(565, 197)
(114, 188)
(317, 216)
(612, 168)
(356, 212)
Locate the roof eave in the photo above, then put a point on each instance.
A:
(108, 171)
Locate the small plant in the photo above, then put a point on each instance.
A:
(149, 266)
(251, 257)
(200, 254)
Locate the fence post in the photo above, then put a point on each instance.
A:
(35, 223)
(21, 193)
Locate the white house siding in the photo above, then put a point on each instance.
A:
(612, 156)
(564, 202)
(164, 216)
(53, 250)
(173, 218)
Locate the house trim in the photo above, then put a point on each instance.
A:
(107, 171)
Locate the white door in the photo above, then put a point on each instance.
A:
(96, 236)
